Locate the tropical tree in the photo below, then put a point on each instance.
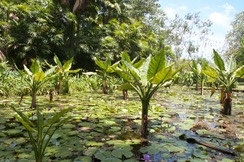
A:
(125, 57)
(235, 39)
(226, 74)
(187, 35)
(199, 75)
(35, 77)
(63, 71)
(41, 131)
(106, 67)
(146, 77)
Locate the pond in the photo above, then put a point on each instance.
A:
(184, 126)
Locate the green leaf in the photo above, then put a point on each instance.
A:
(240, 72)
(24, 117)
(133, 70)
(210, 72)
(157, 63)
(125, 75)
(57, 117)
(125, 57)
(35, 67)
(101, 64)
(218, 61)
(39, 76)
(39, 121)
(56, 60)
(74, 71)
(230, 65)
(143, 71)
(25, 124)
(67, 65)
(163, 75)
(126, 86)
(50, 71)
(27, 71)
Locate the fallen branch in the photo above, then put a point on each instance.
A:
(193, 141)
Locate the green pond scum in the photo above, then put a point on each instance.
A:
(107, 128)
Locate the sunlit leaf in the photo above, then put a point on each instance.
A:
(143, 71)
(39, 76)
(35, 67)
(157, 63)
(218, 61)
(57, 61)
(67, 65)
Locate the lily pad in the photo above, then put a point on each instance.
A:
(83, 159)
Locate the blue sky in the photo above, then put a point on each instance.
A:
(220, 12)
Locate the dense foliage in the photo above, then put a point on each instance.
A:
(42, 28)
(235, 39)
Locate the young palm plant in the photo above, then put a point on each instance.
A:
(35, 77)
(145, 77)
(198, 72)
(124, 87)
(63, 71)
(225, 73)
(106, 67)
(41, 131)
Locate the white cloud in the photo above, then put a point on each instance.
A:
(228, 8)
(170, 12)
(182, 8)
(220, 19)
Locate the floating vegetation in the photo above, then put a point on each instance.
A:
(107, 128)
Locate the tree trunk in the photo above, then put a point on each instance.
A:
(51, 94)
(197, 85)
(202, 87)
(144, 118)
(33, 102)
(104, 84)
(60, 87)
(125, 94)
(227, 104)
(222, 97)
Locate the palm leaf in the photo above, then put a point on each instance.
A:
(143, 71)
(134, 72)
(57, 61)
(240, 72)
(123, 74)
(39, 76)
(100, 64)
(67, 65)
(57, 117)
(26, 70)
(218, 61)
(157, 63)
(163, 75)
(210, 72)
(126, 86)
(35, 67)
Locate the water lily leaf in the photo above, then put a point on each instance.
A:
(83, 159)
(90, 151)
(131, 160)
(121, 150)
(226, 160)
(63, 153)
(102, 155)
(173, 148)
(201, 155)
(115, 142)
(94, 144)
(14, 132)
(111, 159)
